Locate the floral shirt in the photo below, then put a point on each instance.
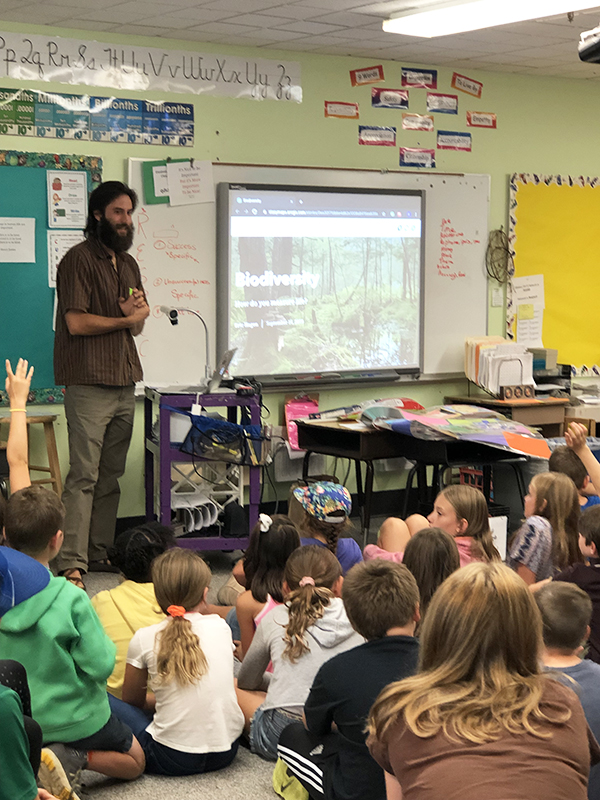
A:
(532, 547)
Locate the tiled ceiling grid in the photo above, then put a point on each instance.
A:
(334, 27)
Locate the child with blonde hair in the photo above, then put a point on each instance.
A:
(458, 510)
(547, 541)
(188, 657)
(298, 638)
(480, 719)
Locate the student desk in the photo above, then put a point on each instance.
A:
(548, 414)
(368, 444)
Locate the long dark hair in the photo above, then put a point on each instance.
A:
(266, 557)
(431, 555)
(101, 197)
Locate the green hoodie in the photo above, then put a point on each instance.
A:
(58, 638)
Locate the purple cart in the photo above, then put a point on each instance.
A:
(160, 454)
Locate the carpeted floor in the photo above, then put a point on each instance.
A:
(248, 778)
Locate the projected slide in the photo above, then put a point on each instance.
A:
(323, 282)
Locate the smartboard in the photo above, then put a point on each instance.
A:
(455, 284)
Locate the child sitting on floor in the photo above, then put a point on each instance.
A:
(272, 541)
(458, 510)
(547, 541)
(431, 556)
(188, 657)
(566, 614)
(382, 602)
(297, 638)
(132, 604)
(327, 508)
(565, 460)
(586, 574)
(58, 638)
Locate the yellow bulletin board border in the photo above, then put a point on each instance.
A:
(554, 227)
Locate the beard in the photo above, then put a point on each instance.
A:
(117, 238)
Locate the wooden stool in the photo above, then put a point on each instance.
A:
(53, 468)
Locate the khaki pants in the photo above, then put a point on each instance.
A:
(100, 422)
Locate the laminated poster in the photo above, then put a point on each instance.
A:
(341, 110)
(67, 199)
(361, 77)
(442, 103)
(417, 122)
(51, 115)
(417, 157)
(419, 78)
(467, 85)
(369, 134)
(481, 119)
(389, 98)
(453, 140)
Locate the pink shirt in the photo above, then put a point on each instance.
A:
(463, 543)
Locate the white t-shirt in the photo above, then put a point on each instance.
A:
(197, 718)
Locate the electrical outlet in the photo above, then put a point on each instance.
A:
(497, 298)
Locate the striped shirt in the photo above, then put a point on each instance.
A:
(87, 281)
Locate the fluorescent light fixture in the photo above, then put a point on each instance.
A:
(443, 19)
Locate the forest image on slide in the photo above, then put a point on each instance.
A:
(357, 305)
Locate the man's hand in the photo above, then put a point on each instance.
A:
(576, 437)
(135, 300)
(18, 383)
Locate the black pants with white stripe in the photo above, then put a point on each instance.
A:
(300, 750)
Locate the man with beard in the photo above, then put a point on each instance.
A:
(101, 307)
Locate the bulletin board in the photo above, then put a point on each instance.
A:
(455, 290)
(554, 230)
(27, 309)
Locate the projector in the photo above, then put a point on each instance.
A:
(589, 46)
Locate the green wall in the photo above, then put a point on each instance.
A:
(545, 125)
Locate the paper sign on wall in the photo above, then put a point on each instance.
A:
(341, 110)
(190, 182)
(419, 78)
(442, 103)
(369, 134)
(417, 122)
(481, 119)
(361, 77)
(67, 199)
(59, 242)
(453, 140)
(389, 98)
(17, 240)
(467, 85)
(417, 157)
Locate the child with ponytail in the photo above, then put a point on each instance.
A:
(272, 541)
(297, 638)
(188, 659)
(327, 508)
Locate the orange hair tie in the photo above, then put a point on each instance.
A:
(176, 611)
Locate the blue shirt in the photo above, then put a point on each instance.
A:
(592, 500)
(348, 552)
(586, 675)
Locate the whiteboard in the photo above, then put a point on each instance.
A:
(456, 226)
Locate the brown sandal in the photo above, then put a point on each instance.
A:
(72, 577)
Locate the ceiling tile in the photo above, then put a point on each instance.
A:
(272, 34)
(260, 20)
(242, 6)
(305, 26)
(225, 27)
